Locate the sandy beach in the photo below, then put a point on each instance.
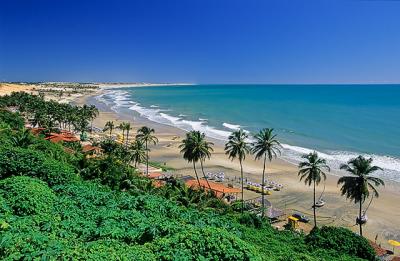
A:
(383, 214)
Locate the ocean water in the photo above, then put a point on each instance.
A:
(338, 121)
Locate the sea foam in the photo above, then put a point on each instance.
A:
(118, 99)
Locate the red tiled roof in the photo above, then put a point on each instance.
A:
(88, 148)
(216, 187)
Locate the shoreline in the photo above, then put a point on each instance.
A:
(295, 196)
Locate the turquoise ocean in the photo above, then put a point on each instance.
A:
(338, 121)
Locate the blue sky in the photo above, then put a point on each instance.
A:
(207, 41)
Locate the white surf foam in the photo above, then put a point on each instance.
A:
(390, 165)
(231, 126)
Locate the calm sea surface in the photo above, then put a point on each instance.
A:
(339, 121)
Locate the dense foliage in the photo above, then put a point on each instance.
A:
(341, 240)
(59, 207)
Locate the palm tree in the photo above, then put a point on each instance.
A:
(122, 127)
(268, 147)
(357, 187)
(127, 129)
(94, 112)
(137, 152)
(109, 127)
(22, 138)
(145, 134)
(312, 172)
(238, 147)
(195, 148)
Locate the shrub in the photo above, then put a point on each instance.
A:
(14, 120)
(27, 162)
(27, 196)
(249, 219)
(204, 244)
(341, 240)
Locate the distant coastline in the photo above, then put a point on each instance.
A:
(128, 85)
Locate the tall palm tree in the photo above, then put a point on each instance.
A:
(122, 127)
(268, 147)
(145, 134)
(128, 128)
(94, 112)
(137, 152)
(109, 127)
(357, 187)
(238, 147)
(312, 171)
(195, 148)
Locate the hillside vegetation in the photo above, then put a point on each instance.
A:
(60, 206)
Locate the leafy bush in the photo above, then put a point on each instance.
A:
(249, 219)
(27, 162)
(341, 240)
(109, 170)
(14, 120)
(204, 244)
(27, 196)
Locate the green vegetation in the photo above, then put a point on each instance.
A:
(268, 147)
(60, 206)
(311, 170)
(195, 148)
(146, 136)
(357, 186)
(237, 147)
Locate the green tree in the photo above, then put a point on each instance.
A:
(22, 138)
(121, 126)
(311, 170)
(357, 187)
(109, 127)
(195, 148)
(128, 128)
(145, 134)
(268, 147)
(237, 147)
(137, 152)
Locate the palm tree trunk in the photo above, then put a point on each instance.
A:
(147, 160)
(127, 136)
(359, 219)
(262, 188)
(204, 175)
(195, 172)
(315, 214)
(241, 175)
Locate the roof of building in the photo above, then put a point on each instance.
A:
(216, 187)
(89, 148)
(57, 137)
(274, 212)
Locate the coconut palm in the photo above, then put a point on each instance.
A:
(195, 148)
(268, 147)
(137, 152)
(127, 129)
(357, 187)
(312, 171)
(145, 134)
(94, 112)
(109, 127)
(238, 147)
(122, 127)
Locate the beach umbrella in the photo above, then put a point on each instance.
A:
(394, 243)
